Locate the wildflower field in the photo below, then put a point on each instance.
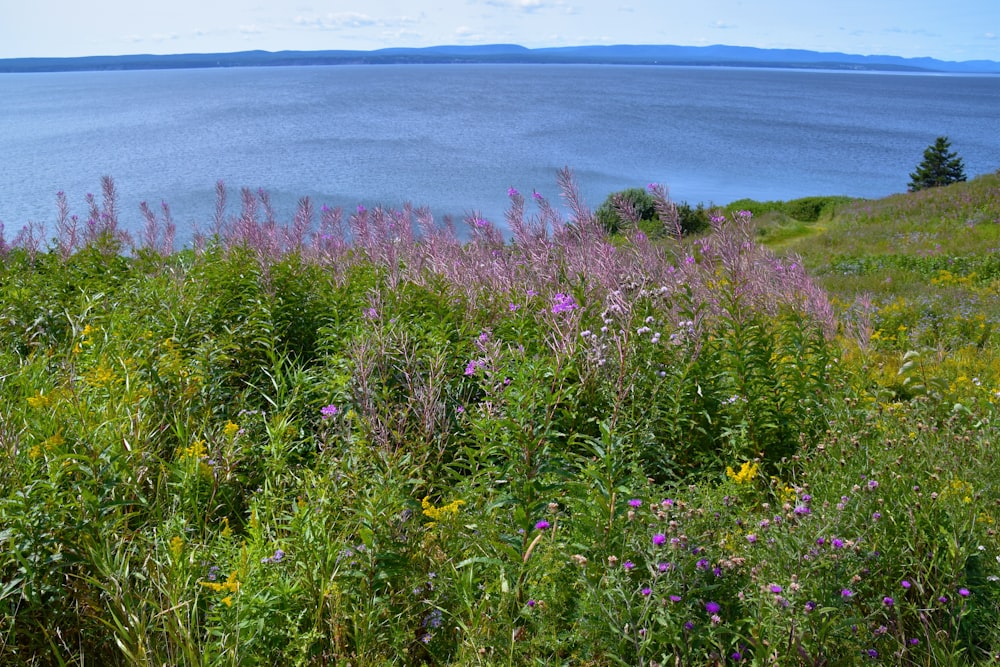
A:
(355, 439)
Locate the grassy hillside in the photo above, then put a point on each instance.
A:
(354, 440)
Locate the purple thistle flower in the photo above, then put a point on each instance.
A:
(775, 588)
(802, 509)
(646, 590)
(659, 539)
(702, 564)
(943, 600)
(914, 641)
(675, 598)
(905, 584)
(964, 592)
(688, 625)
(628, 565)
(846, 593)
(635, 502)
(837, 543)
(712, 607)
(888, 601)
(810, 605)
(542, 525)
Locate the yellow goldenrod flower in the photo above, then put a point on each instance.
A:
(746, 473)
(177, 546)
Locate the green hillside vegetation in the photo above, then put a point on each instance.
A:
(355, 440)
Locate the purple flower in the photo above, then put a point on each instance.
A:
(810, 605)
(837, 543)
(702, 564)
(751, 538)
(712, 607)
(943, 600)
(663, 567)
(872, 653)
(512, 192)
(628, 565)
(635, 502)
(846, 593)
(964, 592)
(736, 656)
(675, 598)
(531, 603)
(872, 485)
(802, 509)
(646, 590)
(542, 525)
(659, 539)
(329, 411)
(888, 601)
(562, 303)
(688, 625)
(914, 641)
(774, 588)
(876, 516)
(905, 584)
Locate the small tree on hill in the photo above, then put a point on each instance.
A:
(941, 166)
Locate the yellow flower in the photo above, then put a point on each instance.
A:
(226, 530)
(228, 600)
(230, 429)
(195, 451)
(40, 400)
(438, 513)
(746, 473)
(177, 546)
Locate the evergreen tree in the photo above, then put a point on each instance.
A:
(941, 166)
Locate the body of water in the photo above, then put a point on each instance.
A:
(456, 137)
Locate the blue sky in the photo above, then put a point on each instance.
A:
(957, 30)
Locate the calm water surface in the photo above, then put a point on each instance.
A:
(456, 137)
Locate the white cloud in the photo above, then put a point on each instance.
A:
(337, 21)
(723, 25)
(990, 35)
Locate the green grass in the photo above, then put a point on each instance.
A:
(561, 452)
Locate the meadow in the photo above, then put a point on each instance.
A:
(354, 439)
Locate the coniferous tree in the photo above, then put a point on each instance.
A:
(940, 166)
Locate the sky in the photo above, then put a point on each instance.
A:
(956, 30)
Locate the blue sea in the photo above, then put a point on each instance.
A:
(456, 137)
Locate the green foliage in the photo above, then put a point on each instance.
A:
(209, 459)
(641, 205)
(940, 166)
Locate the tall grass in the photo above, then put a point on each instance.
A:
(355, 439)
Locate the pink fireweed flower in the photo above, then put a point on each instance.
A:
(562, 303)
(512, 192)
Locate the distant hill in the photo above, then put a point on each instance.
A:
(704, 56)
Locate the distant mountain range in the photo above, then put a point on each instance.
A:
(698, 56)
